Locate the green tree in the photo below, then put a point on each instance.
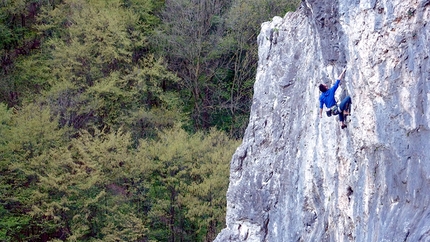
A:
(99, 75)
(100, 197)
(204, 196)
(25, 134)
(80, 191)
(188, 174)
(167, 160)
(19, 39)
(191, 29)
(16, 20)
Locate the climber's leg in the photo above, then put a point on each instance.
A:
(345, 106)
(342, 120)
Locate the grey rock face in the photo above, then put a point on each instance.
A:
(297, 177)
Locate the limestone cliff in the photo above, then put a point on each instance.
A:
(297, 177)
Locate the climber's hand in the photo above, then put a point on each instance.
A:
(342, 74)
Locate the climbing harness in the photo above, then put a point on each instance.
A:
(334, 110)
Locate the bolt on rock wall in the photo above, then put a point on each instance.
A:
(297, 177)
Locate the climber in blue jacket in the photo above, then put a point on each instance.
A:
(327, 98)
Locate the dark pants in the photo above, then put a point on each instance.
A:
(344, 105)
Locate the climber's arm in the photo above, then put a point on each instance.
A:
(321, 106)
(341, 75)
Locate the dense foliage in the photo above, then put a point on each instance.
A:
(118, 118)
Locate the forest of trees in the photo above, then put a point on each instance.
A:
(118, 118)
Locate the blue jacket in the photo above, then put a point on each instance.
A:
(327, 97)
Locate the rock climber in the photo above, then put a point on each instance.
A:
(327, 98)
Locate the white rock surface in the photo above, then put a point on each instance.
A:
(297, 177)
